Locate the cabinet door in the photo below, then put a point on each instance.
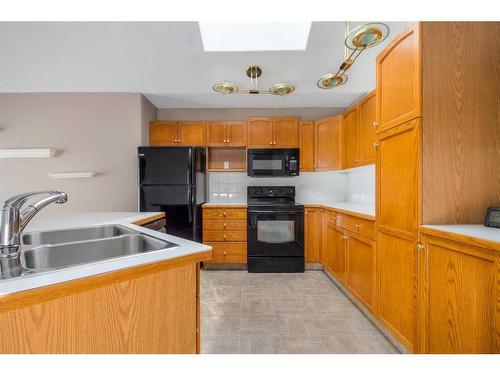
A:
(361, 268)
(286, 132)
(399, 79)
(336, 252)
(350, 137)
(313, 234)
(216, 134)
(458, 299)
(260, 132)
(163, 133)
(236, 133)
(306, 139)
(192, 133)
(328, 143)
(367, 128)
(398, 218)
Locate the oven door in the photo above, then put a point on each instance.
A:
(275, 233)
(266, 162)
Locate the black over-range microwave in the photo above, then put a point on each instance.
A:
(273, 162)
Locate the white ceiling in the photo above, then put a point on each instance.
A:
(166, 62)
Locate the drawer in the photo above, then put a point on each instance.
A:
(341, 220)
(228, 252)
(224, 213)
(331, 217)
(224, 235)
(363, 227)
(225, 224)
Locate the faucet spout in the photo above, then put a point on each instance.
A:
(13, 220)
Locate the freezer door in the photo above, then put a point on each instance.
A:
(165, 165)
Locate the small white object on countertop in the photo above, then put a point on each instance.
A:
(21, 153)
(478, 231)
(82, 219)
(64, 175)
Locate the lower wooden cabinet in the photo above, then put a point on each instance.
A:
(460, 297)
(336, 252)
(225, 229)
(312, 234)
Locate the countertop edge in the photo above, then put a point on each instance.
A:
(432, 230)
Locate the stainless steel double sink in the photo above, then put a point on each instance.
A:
(71, 247)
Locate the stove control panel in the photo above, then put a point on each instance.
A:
(271, 191)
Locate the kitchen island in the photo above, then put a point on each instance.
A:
(148, 303)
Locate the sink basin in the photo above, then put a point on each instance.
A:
(75, 253)
(75, 234)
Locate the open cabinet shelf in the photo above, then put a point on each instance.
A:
(223, 159)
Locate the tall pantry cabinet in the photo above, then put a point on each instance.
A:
(432, 119)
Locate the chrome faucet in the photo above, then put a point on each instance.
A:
(13, 220)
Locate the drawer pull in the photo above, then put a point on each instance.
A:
(344, 237)
(225, 252)
(224, 214)
(357, 226)
(225, 225)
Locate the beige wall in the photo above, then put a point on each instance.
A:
(148, 112)
(235, 114)
(92, 132)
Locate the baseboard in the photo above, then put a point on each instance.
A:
(224, 266)
(313, 267)
(367, 313)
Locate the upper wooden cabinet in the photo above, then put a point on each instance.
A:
(328, 144)
(177, 133)
(306, 144)
(286, 132)
(227, 134)
(282, 132)
(367, 147)
(351, 136)
(399, 79)
(163, 133)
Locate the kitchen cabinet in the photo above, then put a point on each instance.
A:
(367, 147)
(361, 268)
(177, 133)
(281, 132)
(227, 134)
(306, 145)
(350, 137)
(398, 216)
(459, 299)
(328, 144)
(399, 79)
(163, 133)
(313, 234)
(225, 229)
(336, 252)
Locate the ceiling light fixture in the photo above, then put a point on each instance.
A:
(356, 40)
(253, 72)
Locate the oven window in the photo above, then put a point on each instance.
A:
(275, 231)
(267, 164)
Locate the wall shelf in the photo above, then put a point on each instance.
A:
(71, 175)
(226, 159)
(27, 153)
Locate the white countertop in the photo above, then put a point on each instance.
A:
(81, 219)
(470, 230)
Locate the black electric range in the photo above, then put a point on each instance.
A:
(275, 230)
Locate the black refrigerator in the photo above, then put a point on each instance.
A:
(173, 180)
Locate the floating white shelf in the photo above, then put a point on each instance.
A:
(64, 175)
(20, 153)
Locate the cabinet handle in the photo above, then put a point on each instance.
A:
(228, 140)
(224, 237)
(375, 124)
(419, 246)
(375, 144)
(344, 237)
(225, 225)
(356, 161)
(225, 252)
(357, 226)
(315, 165)
(271, 142)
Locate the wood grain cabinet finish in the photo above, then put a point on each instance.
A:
(350, 137)
(227, 134)
(281, 132)
(147, 309)
(328, 144)
(306, 145)
(313, 234)
(399, 79)
(163, 133)
(460, 299)
(225, 229)
(260, 132)
(177, 133)
(367, 146)
(361, 269)
(336, 256)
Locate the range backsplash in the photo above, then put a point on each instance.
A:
(353, 185)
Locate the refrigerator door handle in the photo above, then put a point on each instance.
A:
(190, 167)
(190, 204)
(142, 162)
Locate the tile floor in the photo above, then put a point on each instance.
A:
(245, 312)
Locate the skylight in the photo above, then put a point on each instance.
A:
(254, 36)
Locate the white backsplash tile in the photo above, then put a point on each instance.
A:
(355, 185)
